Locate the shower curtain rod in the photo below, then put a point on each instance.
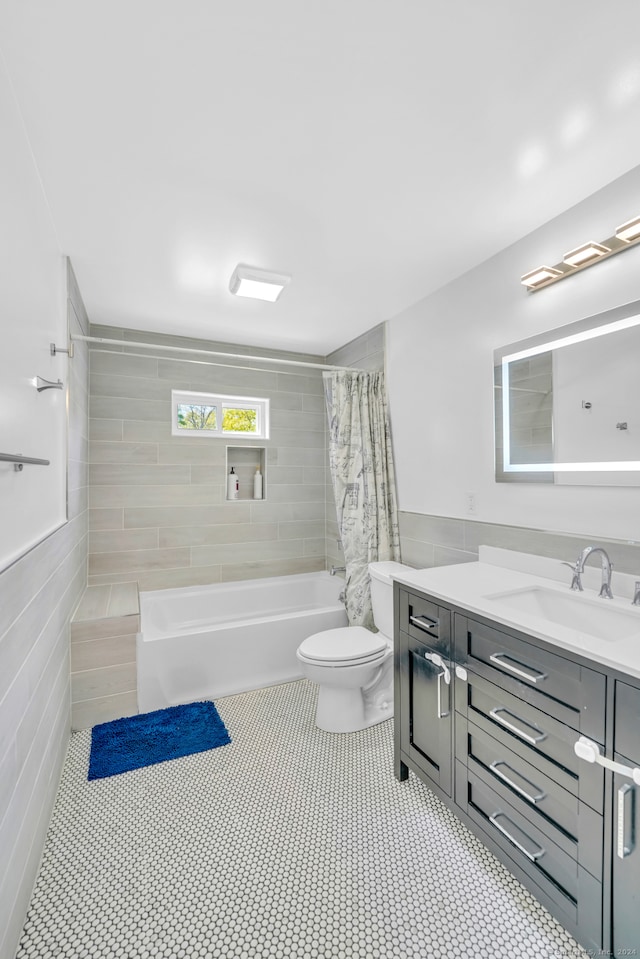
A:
(186, 349)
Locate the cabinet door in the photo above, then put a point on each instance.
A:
(427, 694)
(626, 865)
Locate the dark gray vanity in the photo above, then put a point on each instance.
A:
(488, 716)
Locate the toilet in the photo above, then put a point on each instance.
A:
(354, 667)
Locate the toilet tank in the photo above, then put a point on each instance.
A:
(382, 594)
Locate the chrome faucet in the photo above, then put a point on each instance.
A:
(607, 567)
(337, 569)
(576, 582)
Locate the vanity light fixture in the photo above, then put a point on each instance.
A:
(540, 276)
(258, 284)
(629, 231)
(583, 256)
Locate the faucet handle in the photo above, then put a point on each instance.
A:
(576, 581)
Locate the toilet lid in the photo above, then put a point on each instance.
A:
(345, 644)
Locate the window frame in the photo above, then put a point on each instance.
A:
(220, 400)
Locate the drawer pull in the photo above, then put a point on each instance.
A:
(505, 661)
(626, 794)
(424, 623)
(437, 660)
(533, 856)
(540, 795)
(534, 740)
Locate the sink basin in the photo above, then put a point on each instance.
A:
(594, 616)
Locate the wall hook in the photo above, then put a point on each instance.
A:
(621, 426)
(42, 384)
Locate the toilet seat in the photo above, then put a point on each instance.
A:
(344, 646)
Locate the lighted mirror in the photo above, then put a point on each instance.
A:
(567, 404)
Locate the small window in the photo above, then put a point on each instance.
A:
(208, 414)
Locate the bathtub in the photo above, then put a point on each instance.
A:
(202, 642)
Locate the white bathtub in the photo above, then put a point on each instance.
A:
(201, 642)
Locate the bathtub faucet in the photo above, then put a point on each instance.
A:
(337, 569)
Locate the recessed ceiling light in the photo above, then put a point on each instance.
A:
(538, 276)
(629, 231)
(258, 284)
(582, 254)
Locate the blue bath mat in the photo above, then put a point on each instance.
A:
(150, 738)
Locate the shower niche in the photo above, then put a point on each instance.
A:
(245, 460)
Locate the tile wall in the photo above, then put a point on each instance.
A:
(531, 417)
(39, 594)
(441, 541)
(158, 511)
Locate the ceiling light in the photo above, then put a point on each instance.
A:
(258, 284)
(539, 276)
(581, 254)
(629, 231)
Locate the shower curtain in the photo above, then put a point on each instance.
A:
(363, 480)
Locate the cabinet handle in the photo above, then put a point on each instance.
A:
(540, 795)
(437, 660)
(533, 856)
(626, 794)
(495, 714)
(424, 623)
(441, 715)
(500, 660)
(589, 751)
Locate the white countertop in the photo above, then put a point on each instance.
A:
(470, 585)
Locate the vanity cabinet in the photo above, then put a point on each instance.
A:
(497, 747)
(626, 824)
(519, 711)
(425, 691)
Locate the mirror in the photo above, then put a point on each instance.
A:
(567, 404)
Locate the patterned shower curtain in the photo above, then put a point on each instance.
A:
(363, 480)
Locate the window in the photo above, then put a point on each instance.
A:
(209, 414)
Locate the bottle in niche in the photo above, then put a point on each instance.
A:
(233, 486)
(257, 484)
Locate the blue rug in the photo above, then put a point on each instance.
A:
(150, 738)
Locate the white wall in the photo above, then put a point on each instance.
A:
(39, 591)
(32, 315)
(440, 375)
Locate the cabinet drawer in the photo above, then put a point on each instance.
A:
(574, 891)
(572, 693)
(627, 723)
(425, 621)
(533, 786)
(558, 813)
(536, 737)
(528, 841)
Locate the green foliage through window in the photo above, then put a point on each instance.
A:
(197, 417)
(238, 421)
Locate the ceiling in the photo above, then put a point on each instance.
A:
(373, 149)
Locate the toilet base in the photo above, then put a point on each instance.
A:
(342, 710)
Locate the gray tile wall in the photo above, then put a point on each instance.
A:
(158, 512)
(531, 416)
(440, 541)
(366, 352)
(39, 593)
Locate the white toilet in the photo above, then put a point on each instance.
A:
(353, 666)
